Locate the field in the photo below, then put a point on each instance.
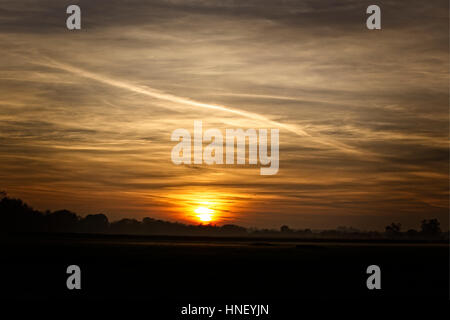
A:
(182, 269)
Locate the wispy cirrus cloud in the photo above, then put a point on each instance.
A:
(86, 117)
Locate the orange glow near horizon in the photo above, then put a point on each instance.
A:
(216, 206)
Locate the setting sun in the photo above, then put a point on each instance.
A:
(204, 214)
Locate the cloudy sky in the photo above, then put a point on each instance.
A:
(86, 116)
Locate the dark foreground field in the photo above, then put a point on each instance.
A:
(235, 270)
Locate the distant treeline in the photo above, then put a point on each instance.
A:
(17, 216)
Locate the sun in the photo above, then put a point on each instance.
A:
(204, 214)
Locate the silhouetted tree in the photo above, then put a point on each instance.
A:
(393, 229)
(62, 221)
(17, 216)
(431, 227)
(94, 223)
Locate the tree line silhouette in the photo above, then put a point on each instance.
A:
(17, 216)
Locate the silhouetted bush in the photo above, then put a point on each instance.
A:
(232, 229)
(126, 226)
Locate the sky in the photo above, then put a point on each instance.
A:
(86, 116)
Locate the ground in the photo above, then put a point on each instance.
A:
(199, 270)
